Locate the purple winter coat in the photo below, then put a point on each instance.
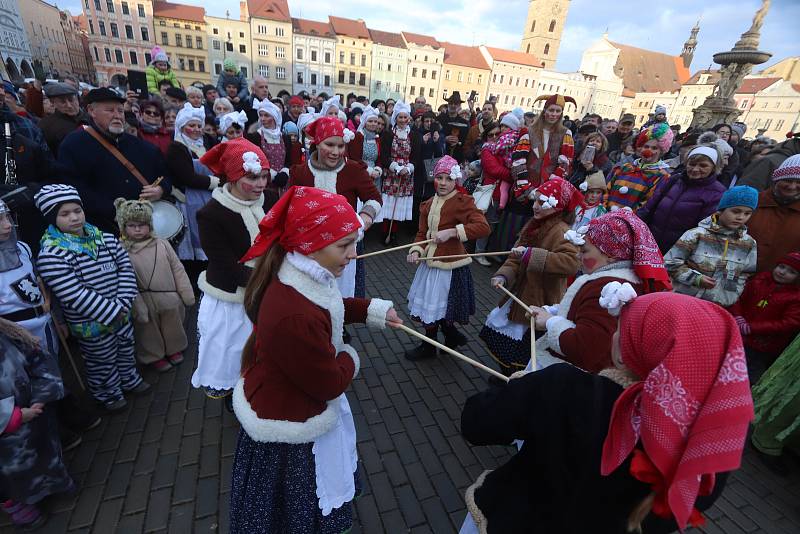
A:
(678, 205)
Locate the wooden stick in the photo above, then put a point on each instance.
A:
(533, 342)
(452, 352)
(516, 299)
(475, 255)
(384, 251)
(158, 181)
(71, 359)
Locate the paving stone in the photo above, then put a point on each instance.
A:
(101, 466)
(138, 492)
(56, 524)
(185, 484)
(224, 514)
(393, 522)
(436, 516)
(154, 428)
(230, 435)
(157, 514)
(207, 496)
(212, 430)
(129, 448)
(368, 515)
(209, 460)
(394, 468)
(420, 481)
(451, 498)
(118, 480)
(111, 438)
(409, 506)
(164, 474)
(225, 476)
(370, 458)
(171, 439)
(181, 518)
(146, 459)
(405, 449)
(131, 523)
(190, 450)
(193, 422)
(108, 516)
(206, 525)
(383, 442)
(136, 421)
(86, 507)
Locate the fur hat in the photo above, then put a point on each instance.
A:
(138, 211)
(741, 195)
(594, 181)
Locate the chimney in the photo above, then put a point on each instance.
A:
(244, 14)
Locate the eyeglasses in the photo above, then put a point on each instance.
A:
(151, 113)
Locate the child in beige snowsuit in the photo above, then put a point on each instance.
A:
(164, 288)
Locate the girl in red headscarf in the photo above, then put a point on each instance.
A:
(536, 272)
(228, 224)
(614, 247)
(329, 170)
(646, 444)
(295, 463)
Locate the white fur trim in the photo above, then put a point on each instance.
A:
(417, 248)
(353, 355)
(217, 293)
(393, 166)
(410, 167)
(622, 272)
(552, 310)
(615, 295)
(556, 326)
(214, 183)
(251, 211)
(325, 179)
(278, 431)
(462, 233)
(376, 313)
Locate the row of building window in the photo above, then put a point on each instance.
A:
(115, 30)
(299, 54)
(551, 29)
(412, 91)
(351, 78)
(179, 41)
(313, 78)
(510, 80)
(177, 25)
(280, 72)
(182, 64)
(352, 58)
(110, 7)
(461, 76)
(263, 29)
(379, 86)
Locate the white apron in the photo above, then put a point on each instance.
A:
(336, 459)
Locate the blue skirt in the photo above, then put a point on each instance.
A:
(511, 354)
(460, 298)
(274, 491)
(361, 273)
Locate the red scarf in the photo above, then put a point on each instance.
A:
(691, 411)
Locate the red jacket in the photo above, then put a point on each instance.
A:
(352, 182)
(775, 323)
(494, 171)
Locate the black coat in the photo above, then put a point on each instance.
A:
(553, 484)
(416, 158)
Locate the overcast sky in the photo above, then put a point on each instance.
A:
(661, 26)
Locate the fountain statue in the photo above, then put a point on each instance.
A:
(736, 64)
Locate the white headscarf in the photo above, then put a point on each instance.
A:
(272, 135)
(368, 113)
(331, 102)
(229, 119)
(399, 107)
(187, 114)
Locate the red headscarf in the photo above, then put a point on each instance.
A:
(692, 408)
(325, 127)
(568, 198)
(622, 235)
(235, 158)
(304, 220)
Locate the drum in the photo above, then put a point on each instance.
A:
(168, 222)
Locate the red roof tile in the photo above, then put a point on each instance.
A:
(312, 27)
(464, 56)
(277, 10)
(422, 40)
(646, 71)
(179, 11)
(349, 27)
(394, 40)
(512, 56)
(751, 86)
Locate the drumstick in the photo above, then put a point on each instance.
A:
(384, 251)
(452, 352)
(154, 184)
(475, 255)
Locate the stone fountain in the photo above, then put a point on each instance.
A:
(736, 64)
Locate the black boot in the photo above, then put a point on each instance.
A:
(452, 337)
(423, 352)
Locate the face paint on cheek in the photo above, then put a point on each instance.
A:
(246, 187)
(589, 263)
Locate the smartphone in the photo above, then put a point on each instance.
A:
(472, 96)
(588, 154)
(137, 82)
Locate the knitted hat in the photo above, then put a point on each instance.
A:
(138, 211)
(510, 120)
(159, 54)
(737, 129)
(290, 128)
(792, 259)
(296, 101)
(51, 196)
(660, 110)
(230, 64)
(235, 159)
(661, 132)
(741, 195)
(789, 169)
(449, 166)
(594, 181)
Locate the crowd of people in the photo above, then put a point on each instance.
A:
(659, 272)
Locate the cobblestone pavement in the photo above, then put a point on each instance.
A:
(164, 464)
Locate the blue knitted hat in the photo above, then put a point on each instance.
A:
(741, 195)
(290, 128)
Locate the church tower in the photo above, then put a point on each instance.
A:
(690, 45)
(542, 33)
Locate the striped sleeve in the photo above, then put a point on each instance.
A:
(58, 269)
(127, 289)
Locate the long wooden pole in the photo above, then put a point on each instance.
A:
(474, 255)
(452, 352)
(533, 324)
(384, 251)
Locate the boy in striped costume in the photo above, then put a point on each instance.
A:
(92, 276)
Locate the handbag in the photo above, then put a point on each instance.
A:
(483, 196)
(430, 164)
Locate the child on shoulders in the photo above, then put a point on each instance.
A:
(594, 187)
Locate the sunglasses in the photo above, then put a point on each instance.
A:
(152, 113)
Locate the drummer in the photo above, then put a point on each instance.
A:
(193, 179)
(328, 169)
(105, 163)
